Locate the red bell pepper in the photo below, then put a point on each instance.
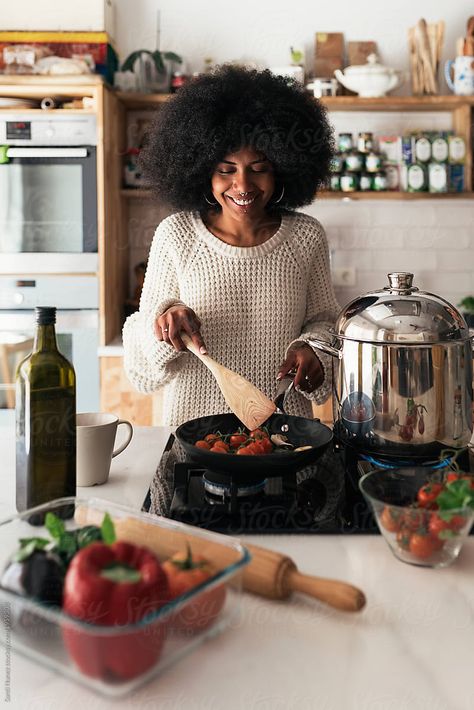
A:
(110, 585)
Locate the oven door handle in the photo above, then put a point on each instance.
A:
(46, 152)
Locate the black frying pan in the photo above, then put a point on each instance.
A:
(299, 431)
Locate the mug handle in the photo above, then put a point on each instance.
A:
(130, 434)
(447, 73)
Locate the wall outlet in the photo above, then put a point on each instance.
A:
(344, 276)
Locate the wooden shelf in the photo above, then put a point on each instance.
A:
(142, 194)
(397, 103)
(134, 100)
(392, 195)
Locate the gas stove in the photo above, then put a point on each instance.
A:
(320, 499)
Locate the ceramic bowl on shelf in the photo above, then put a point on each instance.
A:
(421, 536)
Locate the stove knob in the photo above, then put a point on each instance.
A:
(18, 298)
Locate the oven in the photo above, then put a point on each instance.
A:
(48, 193)
(77, 329)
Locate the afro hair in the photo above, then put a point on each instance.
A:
(232, 108)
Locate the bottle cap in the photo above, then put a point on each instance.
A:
(45, 315)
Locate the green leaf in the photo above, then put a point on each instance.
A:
(158, 59)
(172, 57)
(132, 58)
(457, 494)
(108, 530)
(54, 525)
(40, 542)
(67, 544)
(447, 534)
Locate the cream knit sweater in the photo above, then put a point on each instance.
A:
(253, 303)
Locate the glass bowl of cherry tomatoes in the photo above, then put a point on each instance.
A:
(424, 514)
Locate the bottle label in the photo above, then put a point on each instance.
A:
(439, 150)
(423, 150)
(416, 177)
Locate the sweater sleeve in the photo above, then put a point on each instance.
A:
(322, 310)
(148, 362)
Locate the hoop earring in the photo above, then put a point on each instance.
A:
(280, 198)
(213, 204)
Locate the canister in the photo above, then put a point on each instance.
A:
(354, 161)
(365, 142)
(457, 149)
(416, 178)
(380, 181)
(344, 142)
(373, 162)
(335, 182)
(439, 149)
(349, 182)
(422, 149)
(393, 177)
(438, 177)
(337, 163)
(366, 182)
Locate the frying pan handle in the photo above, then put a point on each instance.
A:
(284, 387)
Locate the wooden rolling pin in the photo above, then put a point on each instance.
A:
(269, 574)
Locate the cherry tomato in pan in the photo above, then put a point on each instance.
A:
(258, 434)
(439, 525)
(237, 440)
(212, 438)
(201, 444)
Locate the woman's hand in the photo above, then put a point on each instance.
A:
(176, 320)
(302, 360)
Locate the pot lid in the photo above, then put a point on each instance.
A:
(371, 67)
(400, 313)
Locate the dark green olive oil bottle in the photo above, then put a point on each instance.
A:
(45, 420)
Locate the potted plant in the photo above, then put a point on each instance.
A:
(467, 308)
(153, 68)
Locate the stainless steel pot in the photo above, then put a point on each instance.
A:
(402, 372)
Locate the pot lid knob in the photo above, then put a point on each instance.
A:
(401, 281)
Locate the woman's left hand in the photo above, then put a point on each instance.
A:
(305, 363)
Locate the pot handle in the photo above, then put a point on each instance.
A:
(328, 348)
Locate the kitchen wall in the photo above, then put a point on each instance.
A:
(435, 239)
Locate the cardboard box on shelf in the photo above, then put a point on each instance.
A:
(94, 47)
(329, 53)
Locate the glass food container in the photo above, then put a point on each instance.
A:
(51, 637)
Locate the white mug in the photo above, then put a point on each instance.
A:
(95, 446)
(463, 84)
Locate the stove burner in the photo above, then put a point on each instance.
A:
(400, 463)
(227, 488)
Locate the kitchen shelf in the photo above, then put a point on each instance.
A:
(133, 100)
(397, 103)
(392, 195)
(142, 194)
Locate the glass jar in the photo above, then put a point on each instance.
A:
(422, 149)
(380, 181)
(373, 162)
(335, 182)
(354, 161)
(337, 163)
(344, 142)
(349, 182)
(366, 182)
(365, 142)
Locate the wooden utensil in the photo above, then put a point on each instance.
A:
(269, 574)
(430, 79)
(247, 402)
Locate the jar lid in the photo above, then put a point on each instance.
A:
(372, 67)
(400, 313)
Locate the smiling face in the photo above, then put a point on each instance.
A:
(243, 183)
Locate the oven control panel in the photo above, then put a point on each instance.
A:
(22, 129)
(67, 292)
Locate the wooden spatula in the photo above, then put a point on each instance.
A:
(247, 402)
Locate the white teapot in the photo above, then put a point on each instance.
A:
(370, 80)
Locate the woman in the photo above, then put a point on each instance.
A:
(237, 269)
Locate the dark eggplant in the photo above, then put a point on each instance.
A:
(39, 576)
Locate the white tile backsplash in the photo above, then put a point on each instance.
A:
(432, 238)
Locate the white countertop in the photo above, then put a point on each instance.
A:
(410, 649)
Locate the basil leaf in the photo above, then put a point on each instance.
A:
(108, 530)
(457, 494)
(40, 542)
(54, 525)
(28, 549)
